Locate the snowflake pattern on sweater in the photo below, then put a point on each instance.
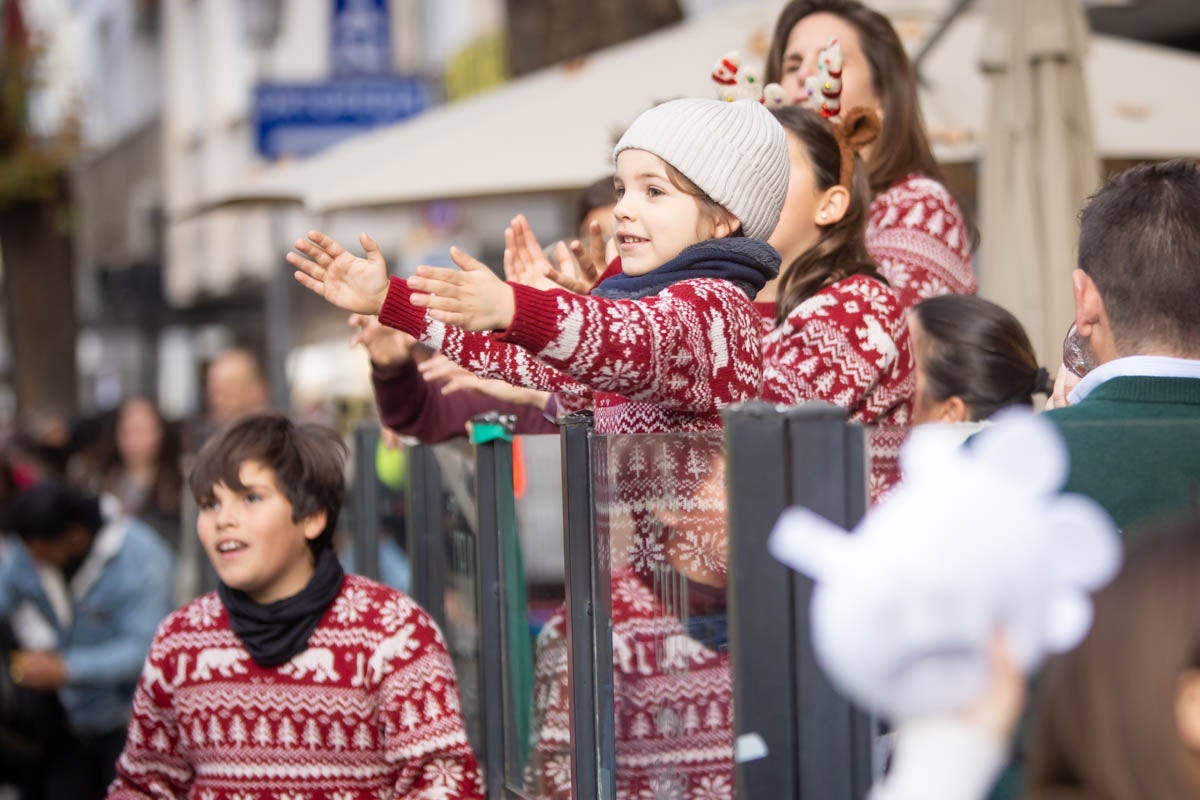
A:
(370, 711)
(918, 236)
(674, 705)
(668, 362)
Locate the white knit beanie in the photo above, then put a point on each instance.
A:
(735, 152)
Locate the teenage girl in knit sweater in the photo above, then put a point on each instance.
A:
(837, 330)
(659, 348)
(916, 232)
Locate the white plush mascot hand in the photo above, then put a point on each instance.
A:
(977, 539)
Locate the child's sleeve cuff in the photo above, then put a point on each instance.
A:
(398, 311)
(535, 318)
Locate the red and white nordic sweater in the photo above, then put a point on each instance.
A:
(847, 345)
(674, 705)
(665, 363)
(918, 236)
(370, 710)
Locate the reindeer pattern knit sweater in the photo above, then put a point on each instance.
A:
(918, 236)
(848, 345)
(370, 711)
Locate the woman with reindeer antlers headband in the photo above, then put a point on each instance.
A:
(916, 231)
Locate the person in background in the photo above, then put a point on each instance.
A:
(916, 231)
(973, 359)
(140, 465)
(1133, 423)
(1119, 717)
(88, 592)
(234, 385)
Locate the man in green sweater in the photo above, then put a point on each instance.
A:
(1132, 424)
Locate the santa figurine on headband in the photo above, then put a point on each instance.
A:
(735, 82)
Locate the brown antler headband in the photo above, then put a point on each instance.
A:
(858, 128)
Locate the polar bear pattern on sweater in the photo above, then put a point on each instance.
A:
(370, 710)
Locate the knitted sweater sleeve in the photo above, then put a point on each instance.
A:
(481, 353)
(691, 347)
(847, 345)
(153, 764)
(917, 234)
(412, 406)
(420, 713)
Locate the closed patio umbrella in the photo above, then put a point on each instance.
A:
(1039, 162)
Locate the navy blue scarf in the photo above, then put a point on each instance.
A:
(747, 263)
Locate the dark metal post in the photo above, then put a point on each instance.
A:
(425, 532)
(760, 602)
(828, 477)
(367, 501)
(491, 451)
(589, 628)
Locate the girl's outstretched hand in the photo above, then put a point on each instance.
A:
(471, 297)
(344, 279)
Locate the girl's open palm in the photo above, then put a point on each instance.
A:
(348, 281)
(471, 297)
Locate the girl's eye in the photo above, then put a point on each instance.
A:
(253, 497)
(654, 191)
(619, 191)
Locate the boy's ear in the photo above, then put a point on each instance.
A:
(835, 202)
(314, 524)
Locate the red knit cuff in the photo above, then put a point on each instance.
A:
(535, 318)
(398, 312)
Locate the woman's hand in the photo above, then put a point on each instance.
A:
(471, 297)
(348, 281)
(387, 347)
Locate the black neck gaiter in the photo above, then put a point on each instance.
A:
(275, 632)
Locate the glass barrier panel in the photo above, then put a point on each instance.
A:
(458, 527)
(660, 517)
(533, 580)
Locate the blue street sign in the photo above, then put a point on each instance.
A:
(297, 120)
(360, 38)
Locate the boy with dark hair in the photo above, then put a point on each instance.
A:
(1133, 423)
(85, 593)
(292, 680)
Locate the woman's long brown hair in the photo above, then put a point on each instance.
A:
(1105, 724)
(903, 147)
(841, 250)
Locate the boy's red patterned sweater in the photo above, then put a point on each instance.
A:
(918, 236)
(370, 710)
(665, 363)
